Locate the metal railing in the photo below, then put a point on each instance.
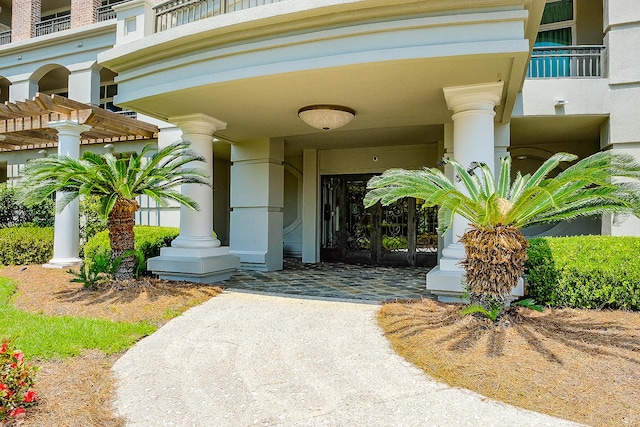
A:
(53, 25)
(128, 113)
(180, 12)
(566, 61)
(106, 12)
(5, 37)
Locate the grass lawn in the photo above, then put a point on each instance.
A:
(75, 335)
(45, 337)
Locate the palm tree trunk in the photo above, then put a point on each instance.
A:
(120, 224)
(495, 261)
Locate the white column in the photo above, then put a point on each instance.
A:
(66, 238)
(22, 89)
(84, 83)
(502, 143)
(196, 228)
(310, 230)
(195, 255)
(473, 141)
(257, 199)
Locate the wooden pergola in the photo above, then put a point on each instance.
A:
(25, 125)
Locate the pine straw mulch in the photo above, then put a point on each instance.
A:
(582, 365)
(79, 391)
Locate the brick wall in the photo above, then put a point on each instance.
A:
(25, 14)
(84, 12)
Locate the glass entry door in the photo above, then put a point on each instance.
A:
(398, 234)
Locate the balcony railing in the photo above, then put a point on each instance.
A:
(5, 37)
(180, 12)
(53, 25)
(566, 61)
(106, 12)
(128, 113)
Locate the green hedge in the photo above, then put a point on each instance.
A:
(585, 272)
(26, 245)
(149, 240)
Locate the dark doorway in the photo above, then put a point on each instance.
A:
(399, 234)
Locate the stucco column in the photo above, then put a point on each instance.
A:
(22, 89)
(66, 238)
(310, 230)
(195, 255)
(473, 141)
(196, 227)
(502, 143)
(84, 83)
(257, 199)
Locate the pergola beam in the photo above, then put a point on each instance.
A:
(26, 123)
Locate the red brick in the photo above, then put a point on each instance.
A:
(84, 12)
(25, 15)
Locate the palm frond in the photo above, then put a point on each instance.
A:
(111, 178)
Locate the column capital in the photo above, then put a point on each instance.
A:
(69, 127)
(473, 97)
(198, 124)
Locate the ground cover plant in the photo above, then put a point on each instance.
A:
(116, 183)
(16, 384)
(84, 397)
(497, 209)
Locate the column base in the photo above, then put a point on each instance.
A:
(259, 261)
(194, 265)
(63, 263)
(448, 286)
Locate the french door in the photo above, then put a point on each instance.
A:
(399, 234)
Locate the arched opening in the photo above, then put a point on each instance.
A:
(53, 79)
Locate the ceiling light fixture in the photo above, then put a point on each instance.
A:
(326, 117)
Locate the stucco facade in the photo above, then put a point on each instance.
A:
(467, 79)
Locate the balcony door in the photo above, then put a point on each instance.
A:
(400, 234)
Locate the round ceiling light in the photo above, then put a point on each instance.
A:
(326, 117)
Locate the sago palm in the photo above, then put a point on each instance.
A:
(497, 208)
(117, 183)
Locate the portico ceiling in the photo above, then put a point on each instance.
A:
(25, 124)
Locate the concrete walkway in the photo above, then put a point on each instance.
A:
(257, 360)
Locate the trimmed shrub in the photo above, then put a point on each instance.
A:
(26, 245)
(585, 272)
(149, 240)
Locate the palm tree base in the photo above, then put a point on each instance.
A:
(121, 236)
(494, 262)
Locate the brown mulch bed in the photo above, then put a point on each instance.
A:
(582, 365)
(79, 391)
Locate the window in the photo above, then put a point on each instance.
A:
(558, 24)
(107, 92)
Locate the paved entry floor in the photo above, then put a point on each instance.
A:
(246, 360)
(336, 281)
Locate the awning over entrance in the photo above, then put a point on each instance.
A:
(25, 125)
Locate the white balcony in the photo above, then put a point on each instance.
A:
(53, 25)
(566, 62)
(180, 12)
(5, 37)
